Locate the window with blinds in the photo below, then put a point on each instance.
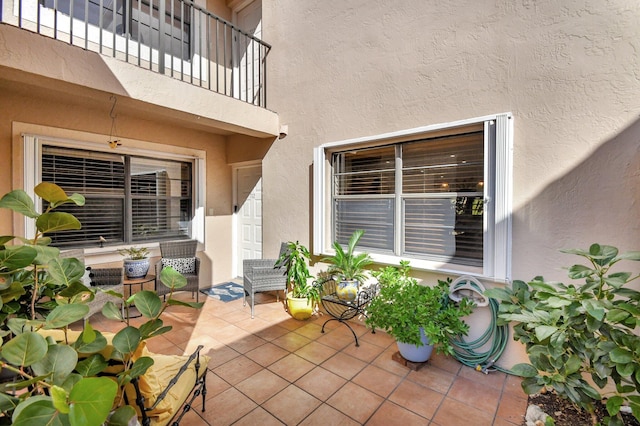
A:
(129, 199)
(439, 185)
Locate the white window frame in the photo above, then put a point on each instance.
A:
(498, 173)
(32, 154)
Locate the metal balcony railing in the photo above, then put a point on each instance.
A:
(189, 43)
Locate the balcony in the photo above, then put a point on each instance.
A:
(143, 58)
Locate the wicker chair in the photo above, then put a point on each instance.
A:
(262, 275)
(181, 253)
(102, 278)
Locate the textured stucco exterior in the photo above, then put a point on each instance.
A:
(567, 71)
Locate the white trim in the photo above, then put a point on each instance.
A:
(498, 182)
(32, 148)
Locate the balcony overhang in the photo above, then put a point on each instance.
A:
(80, 76)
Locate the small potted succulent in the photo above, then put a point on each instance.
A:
(419, 317)
(136, 261)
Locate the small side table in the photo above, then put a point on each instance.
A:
(129, 283)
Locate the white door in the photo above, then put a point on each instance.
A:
(249, 61)
(249, 213)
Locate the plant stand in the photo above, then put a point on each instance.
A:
(342, 310)
(415, 366)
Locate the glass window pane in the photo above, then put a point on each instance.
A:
(367, 171)
(375, 216)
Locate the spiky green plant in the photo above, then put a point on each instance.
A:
(346, 264)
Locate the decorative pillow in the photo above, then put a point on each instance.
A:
(184, 265)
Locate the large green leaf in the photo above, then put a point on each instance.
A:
(25, 349)
(38, 411)
(172, 278)
(59, 396)
(17, 257)
(148, 303)
(20, 202)
(121, 416)
(92, 365)
(140, 366)
(127, 340)
(8, 402)
(57, 221)
(544, 331)
(91, 400)
(64, 315)
(621, 356)
(111, 311)
(60, 361)
(65, 271)
(87, 346)
(524, 370)
(56, 196)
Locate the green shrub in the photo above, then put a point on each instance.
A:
(573, 332)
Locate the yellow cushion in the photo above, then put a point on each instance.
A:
(156, 379)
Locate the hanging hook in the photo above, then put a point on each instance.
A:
(113, 143)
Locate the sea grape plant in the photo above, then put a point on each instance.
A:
(580, 338)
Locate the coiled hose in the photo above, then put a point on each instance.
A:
(497, 335)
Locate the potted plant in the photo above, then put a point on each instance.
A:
(302, 297)
(419, 317)
(136, 262)
(60, 380)
(348, 267)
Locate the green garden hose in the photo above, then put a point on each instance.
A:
(497, 335)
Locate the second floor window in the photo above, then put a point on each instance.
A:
(129, 199)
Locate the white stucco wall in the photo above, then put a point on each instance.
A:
(568, 71)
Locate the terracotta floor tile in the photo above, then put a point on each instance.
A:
(221, 355)
(215, 385)
(320, 383)
(271, 333)
(475, 394)
(291, 405)
(326, 415)
(377, 380)
(344, 365)
(366, 352)
(512, 408)
(262, 386)
(445, 362)
(392, 414)
(246, 343)
(379, 338)
(192, 418)
(267, 354)
(291, 367)
(237, 369)
(291, 341)
(338, 338)
(417, 398)
(227, 407)
(356, 402)
(433, 378)
(316, 352)
(456, 413)
(495, 379)
(513, 386)
(310, 330)
(386, 362)
(258, 416)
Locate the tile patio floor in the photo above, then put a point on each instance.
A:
(275, 370)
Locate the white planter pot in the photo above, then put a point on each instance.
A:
(415, 353)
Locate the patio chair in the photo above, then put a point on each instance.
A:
(262, 275)
(181, 256)
(103, 278)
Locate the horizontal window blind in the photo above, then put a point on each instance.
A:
(129, 199)
(441, 196)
